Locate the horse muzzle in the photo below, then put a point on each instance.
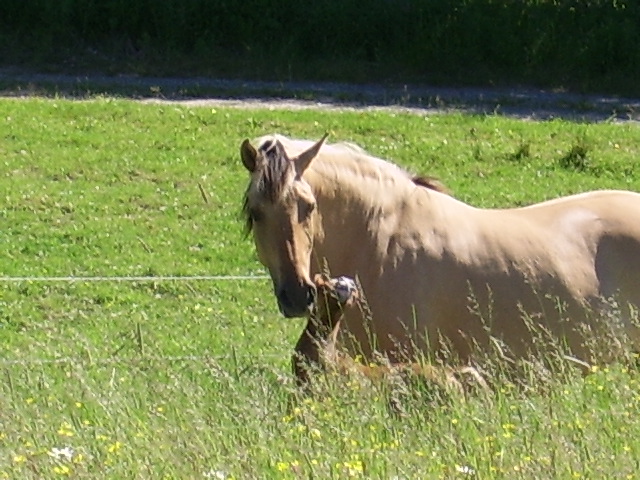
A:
(296, 301)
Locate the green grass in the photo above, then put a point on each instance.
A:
(190, 379)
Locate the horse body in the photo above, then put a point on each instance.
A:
(432, 266)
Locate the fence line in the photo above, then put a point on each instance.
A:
(169, 278)
(123, 360)
(127, 360)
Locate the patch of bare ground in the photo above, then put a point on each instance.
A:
(526, 103)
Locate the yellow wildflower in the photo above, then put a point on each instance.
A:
(284, 466)
(354, 466)
(62, 469)
(114, 447)
(65, 430)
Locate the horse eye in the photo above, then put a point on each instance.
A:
(304, 210)
(255, 215)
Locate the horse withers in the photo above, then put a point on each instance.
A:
(432, 267)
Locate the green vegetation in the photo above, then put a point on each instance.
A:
(585, 45)
(190, 379)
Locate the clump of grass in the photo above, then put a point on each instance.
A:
(522, 152)
(577, 157)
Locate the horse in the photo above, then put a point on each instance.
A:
(317, 349)
(437, 274)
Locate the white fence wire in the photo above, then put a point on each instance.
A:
(213, 278)
(125, 360)
(120, 360)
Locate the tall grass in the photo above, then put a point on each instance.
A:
(146, 417)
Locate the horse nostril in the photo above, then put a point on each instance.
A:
(297, 302)
(283, 298)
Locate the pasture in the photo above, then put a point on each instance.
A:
(179, 378)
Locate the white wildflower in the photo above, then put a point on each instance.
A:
(215, 474)
(465, 470)
(64, 453)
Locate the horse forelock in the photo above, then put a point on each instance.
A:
(270, 177)
(274, 169)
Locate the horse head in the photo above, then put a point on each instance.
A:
(280, 210)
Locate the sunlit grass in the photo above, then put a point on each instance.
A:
(150, 418)
(191, 379)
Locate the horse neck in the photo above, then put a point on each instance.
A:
(357, 204)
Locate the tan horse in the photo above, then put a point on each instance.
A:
(430, 266)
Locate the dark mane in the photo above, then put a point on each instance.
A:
(274, 166)
(269, 178)
(431, 183)
(246, 215)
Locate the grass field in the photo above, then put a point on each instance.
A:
(190, 379)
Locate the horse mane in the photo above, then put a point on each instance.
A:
(427, 181)
(431, 183)
(246, 215)
(271, 175)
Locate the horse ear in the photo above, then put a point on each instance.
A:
(249, 155)
(303, 160)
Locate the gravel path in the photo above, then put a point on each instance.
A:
(516, 102)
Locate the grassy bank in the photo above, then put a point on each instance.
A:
(190, 378)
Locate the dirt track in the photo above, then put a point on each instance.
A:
(516, 102)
